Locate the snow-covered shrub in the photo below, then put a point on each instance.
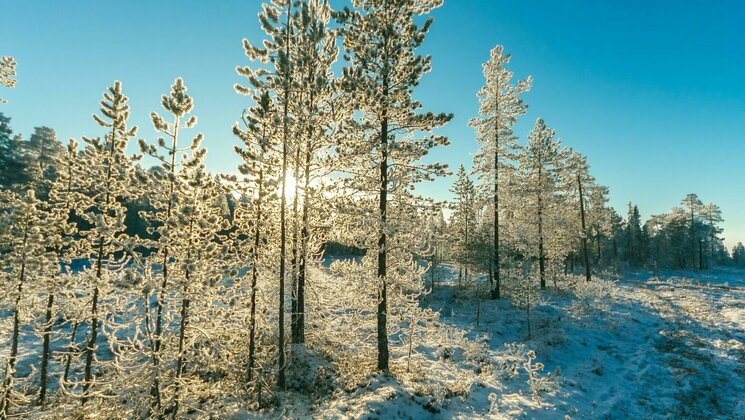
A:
(592, 296)
(508, 361)
(538, 384)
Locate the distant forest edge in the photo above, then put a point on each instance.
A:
(689, 236)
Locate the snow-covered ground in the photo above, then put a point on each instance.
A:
(634, 347)
(631, 348)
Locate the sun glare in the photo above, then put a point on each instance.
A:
(290, 184)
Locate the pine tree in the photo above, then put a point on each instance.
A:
(381, 39)
(65, 203)
(165, 192)
(108, 183)
(579, 181)
(198, 253)
(463, 220)
(41, 154)
(738, 254)
(693, 205)
(7, 73)
(258, 170)
(712, 216)
(28, 260)
(13, 166)
(277, 20)
(539, 164)
(317, 107)
(501, 105)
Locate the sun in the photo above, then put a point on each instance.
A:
(290, 184)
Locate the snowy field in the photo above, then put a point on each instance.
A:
(632, 348)
(636, 347)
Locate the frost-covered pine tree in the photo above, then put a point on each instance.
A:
(107, 184)
(7, 73)
(578, 181)
(501, 105)
(711, 214)
(257, 187)
(277, 20)
(383, 150)
(28, 261)
(317, 108)
(539, 164)
(65, 202)
(694, 206)
(436, 234)
(463, 222)
(165, 191)
(199, 271)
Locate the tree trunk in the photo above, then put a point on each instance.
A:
(382, 251)
(43, 374)
(70, 349)
(586, 256)
(541, 255)
(700, 254)
(185, 302)
(254, 276)
(294, 262)
(91, 346)
(10, 366)
(496, 291)
(155, 386)
(304, 238)
(282, 220)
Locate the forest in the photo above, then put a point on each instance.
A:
(139, 284)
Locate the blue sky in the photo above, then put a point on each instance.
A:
(653, 92)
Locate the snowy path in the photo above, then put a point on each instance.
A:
(700, 342)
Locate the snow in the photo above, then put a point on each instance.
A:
(635, 346)
(631, 347)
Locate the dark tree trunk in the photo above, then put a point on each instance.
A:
(304, 238)
(294, 262)
(281, 368)
(382, 251)
(43, 374)
(541, 255)
(10, 366)
(155, 386)
(496, 291)
(700, 254)
(254, 276)
(70, 349)
(185, 302)
(586, 255)
(91, 346)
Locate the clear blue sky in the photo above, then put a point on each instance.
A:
(653, 92)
